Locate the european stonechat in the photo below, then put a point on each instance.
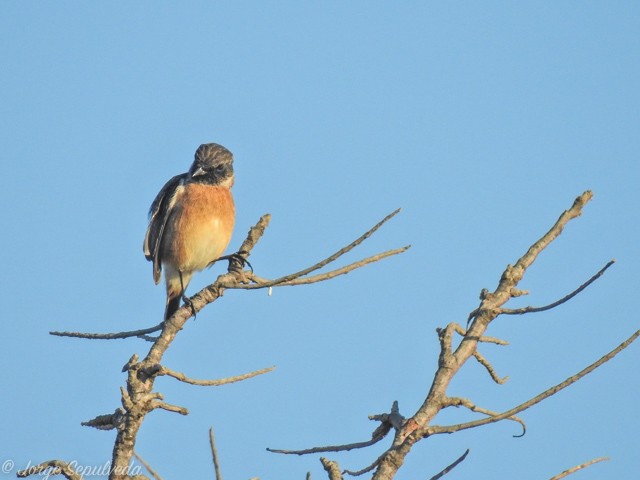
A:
(191, 221)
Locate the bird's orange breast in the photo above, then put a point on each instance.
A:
(199, 228)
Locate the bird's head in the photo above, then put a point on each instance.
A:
(213, 165)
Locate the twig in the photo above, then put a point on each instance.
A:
(329, 448)
(162, 370)
(58, 467)
(485, 363)
(451, 467)
(214, 454)
(151, 471)
(579, 467)
(463, 402)
(170, 408)
(357, 473)
(109, 336)
(520, 311)
(264, 283)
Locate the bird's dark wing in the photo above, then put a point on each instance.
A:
(158, 216)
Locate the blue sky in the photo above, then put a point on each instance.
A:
(482, 121)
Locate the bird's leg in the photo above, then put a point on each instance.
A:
(185, 299)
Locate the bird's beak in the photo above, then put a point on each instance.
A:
(198, 172)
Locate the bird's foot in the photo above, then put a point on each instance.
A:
(237, 258)
(187, 301)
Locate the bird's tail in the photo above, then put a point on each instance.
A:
(173, 304)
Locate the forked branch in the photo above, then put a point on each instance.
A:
(138, 399)
(540, 397)
(566, 298)
(453, 357)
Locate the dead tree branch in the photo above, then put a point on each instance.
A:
(538, 398)
(463, 402)
(451, 467)
(387, 422)
(578, 467)
(566, 298)
(214, 455)
(264, 283)
(452, 358)
(162, 370)
(292, 276)
(492, 372)
(109, 336)
(138, 399)
(418, 426)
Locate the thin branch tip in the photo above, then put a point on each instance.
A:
(579, 467)
(457, 462)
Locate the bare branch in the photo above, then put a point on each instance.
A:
(328, 448)
(254, 235)
(451, 467)
(110, 336)
(162, 370)
(331, 468)
(151, 471)
(538, 398)
(485, 363)
(579, 467)
(264, 283)
(141, 375)
(214, 454)
(520, 311)
(357, 473)
(52, 467)
(170, 408)
(463, 402)
(330, 258)
(513, 275)
(450, 362)
(388, 421)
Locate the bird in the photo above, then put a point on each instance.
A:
(191, 221)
